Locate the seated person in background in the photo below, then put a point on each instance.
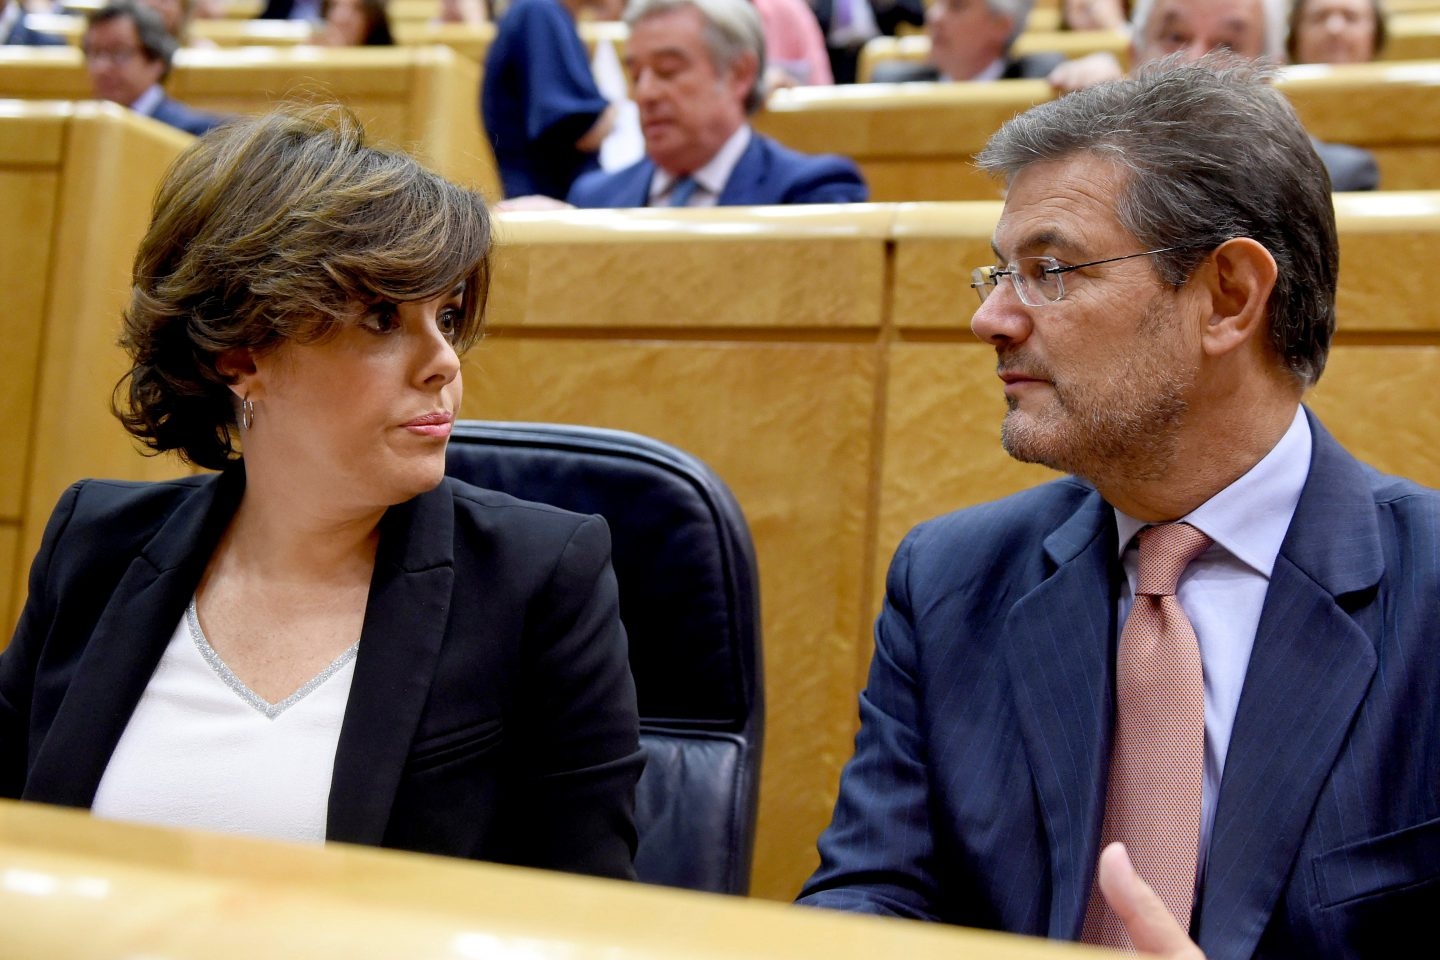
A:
(176, 15)
(1336, 31)
(128, 54)
(355, 23)
(306, 10)
(970, 40)
(541, 109)
(695, 72)
(1191, 29)
(472, 12)
(848, 24)
(1094, 14)
(1206, 660)
(795, 45)
(326, 639)
(13, 30)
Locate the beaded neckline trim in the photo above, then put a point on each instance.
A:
(270, 710)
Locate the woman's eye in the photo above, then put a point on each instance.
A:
(449, 322)
(381, 318)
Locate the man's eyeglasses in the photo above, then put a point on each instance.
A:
(1038, 280)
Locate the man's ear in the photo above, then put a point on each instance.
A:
(237, 366)
(743, 70)
(1239, 276)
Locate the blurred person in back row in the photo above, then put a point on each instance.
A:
(696, 73)
(541, 109)
(355, 23)
(1189, 29)
(1336, 31)
(14, 31)
(128, 53)
(326, 639)
(971, 40)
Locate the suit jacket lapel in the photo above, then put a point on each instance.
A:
(405, 623)
(1310, 668)
(1060, 643)
(126, 644)
(749, 174)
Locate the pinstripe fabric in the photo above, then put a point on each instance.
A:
(976, 793)
(1158, 760)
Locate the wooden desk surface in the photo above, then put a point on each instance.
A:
(75, 887)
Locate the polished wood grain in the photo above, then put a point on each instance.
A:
(76, 888)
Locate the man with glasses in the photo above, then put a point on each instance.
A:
(128, 54)
(1211, 651)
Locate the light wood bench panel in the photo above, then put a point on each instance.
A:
(115, 889)
(818, 266)
(1379, 401)
(918, 141)
(13, 570)
(43, 73)
(421, 99)
(1390, 109)
(1413, 36)
(65, 252)
(30, 156)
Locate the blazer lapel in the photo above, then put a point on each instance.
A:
(406, 618)
(1310, 669)
(743, 186)
(1060, 642)
(126, 644)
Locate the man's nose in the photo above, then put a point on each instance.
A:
(1001, 319)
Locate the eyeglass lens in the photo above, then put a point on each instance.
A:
(1033, 284)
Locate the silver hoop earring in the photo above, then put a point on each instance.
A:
(247, 413)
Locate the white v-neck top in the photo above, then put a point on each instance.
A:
(204, 750)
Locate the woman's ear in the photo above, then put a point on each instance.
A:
(237, 367)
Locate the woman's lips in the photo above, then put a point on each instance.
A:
(435, 424)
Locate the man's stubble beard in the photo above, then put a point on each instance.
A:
(1124, 429)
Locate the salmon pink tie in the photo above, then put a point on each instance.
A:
(1158, 760)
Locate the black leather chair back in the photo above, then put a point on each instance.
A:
(689, 599)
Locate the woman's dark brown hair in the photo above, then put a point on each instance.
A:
(272, 229)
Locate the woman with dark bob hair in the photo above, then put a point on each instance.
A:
(327, 639)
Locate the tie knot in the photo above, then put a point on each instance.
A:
(681, 191)
(1165, 551)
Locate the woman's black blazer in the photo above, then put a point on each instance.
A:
(492, 713)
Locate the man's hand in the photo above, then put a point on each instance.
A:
(1149, 924)
(1084, 72)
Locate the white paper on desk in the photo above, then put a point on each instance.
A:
(626, 144)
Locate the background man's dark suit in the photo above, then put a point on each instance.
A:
(889, 15)
(1032, 66)
(491, 714)
(767, 173)
(976, 792)
(181, 117)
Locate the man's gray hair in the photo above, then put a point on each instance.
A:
(1017, 10)
(732, 29)
(1274, 16)
(1210, 151)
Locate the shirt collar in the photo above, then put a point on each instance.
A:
(994, 71)
(1250, 517)
(713, 176)
(149, 101)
